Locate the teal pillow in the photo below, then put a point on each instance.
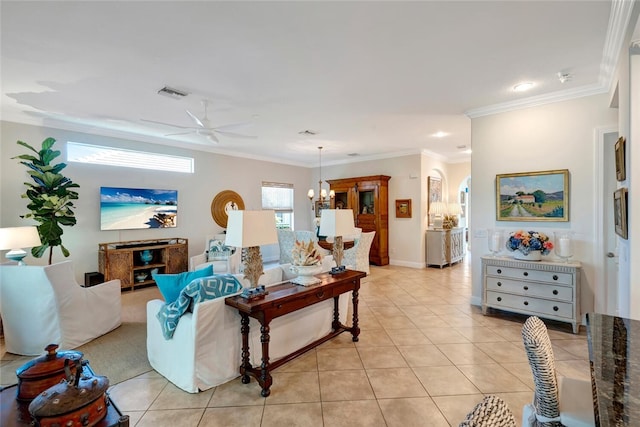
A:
(170, 285)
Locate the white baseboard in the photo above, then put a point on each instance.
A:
(407, 263)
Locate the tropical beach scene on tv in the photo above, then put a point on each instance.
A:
(132, 208)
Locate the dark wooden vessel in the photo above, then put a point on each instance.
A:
(81, 400)
(45, 371)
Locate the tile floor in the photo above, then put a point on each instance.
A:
(425, 358)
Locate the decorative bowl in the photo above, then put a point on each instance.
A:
(141, 276)
(305, 274)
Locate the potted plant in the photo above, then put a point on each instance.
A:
(50, 197)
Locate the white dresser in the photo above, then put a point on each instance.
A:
(549, 290)
(444, 246)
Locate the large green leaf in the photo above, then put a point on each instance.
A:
(50, 196)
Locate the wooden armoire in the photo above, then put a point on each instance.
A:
(368, 196)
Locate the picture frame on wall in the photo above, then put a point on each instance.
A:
(434, 191)
(403, 208)
(533, 196)
(319, 206)
(621, 172)
(620, 212)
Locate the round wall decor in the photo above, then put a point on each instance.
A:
(224, 202)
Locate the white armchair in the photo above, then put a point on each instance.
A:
(287, 238)
(357, 257)
(43, 305)
(223, 258)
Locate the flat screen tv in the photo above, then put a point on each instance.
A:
(134, 208)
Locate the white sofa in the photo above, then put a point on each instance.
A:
(205, 350)
(41, 305)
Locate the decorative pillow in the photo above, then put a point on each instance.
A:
(201, 289)
(170, 285)
(218, 251)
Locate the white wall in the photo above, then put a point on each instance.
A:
(214, 173)
(554, 136)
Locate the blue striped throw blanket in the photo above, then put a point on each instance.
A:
(203, 289)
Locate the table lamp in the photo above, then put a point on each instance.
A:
(17, 238)
(337, 223)
(249, 230)
(451, 217)
(438, 209)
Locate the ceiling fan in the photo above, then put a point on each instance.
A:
(203, 127)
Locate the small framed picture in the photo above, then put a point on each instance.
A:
(620, 212)
(320, 207)
(403, 208)
(621, 172)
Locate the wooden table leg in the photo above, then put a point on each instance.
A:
(355, 330)
(245, 367)
(335, 325)
(265, 376)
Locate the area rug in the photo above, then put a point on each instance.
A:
(119, 355)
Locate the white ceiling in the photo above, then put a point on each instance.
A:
(373, 78)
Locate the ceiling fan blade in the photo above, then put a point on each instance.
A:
(212, 138)
(235, 135)
(232, 127)
(195, 119)
(179, 133)
(167, 124)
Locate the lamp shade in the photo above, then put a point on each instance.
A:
(251, 228)
(337, 222)
(19, 237)
(438, 208)
(454, 209)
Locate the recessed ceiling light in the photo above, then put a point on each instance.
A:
(440, 134)
(521, 87)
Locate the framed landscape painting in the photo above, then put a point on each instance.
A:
(533, 196)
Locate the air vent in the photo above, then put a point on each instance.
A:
(353, 154)
(172, 93)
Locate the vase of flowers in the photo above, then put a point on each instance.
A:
(306, 260)
(529, 245)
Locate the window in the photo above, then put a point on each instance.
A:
(110, 156)
(279, 197)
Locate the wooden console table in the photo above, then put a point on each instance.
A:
(287, 298)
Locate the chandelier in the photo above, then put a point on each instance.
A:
(322, 192)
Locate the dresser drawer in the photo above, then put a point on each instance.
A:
(522, 273)
(563, 293)
(541, 306)
(281, 308)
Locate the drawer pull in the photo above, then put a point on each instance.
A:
(320, 294)
(279, 306)
(526, 303)
(526, 288)
(555, 292)
(555, 277)
(499, 271)
(499, 283)
(555, 308)
(525, 274)
(499, 298)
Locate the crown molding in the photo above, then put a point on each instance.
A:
(535, 101)
(619, 24)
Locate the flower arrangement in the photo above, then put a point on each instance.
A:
(305, 253)
(527, 241)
